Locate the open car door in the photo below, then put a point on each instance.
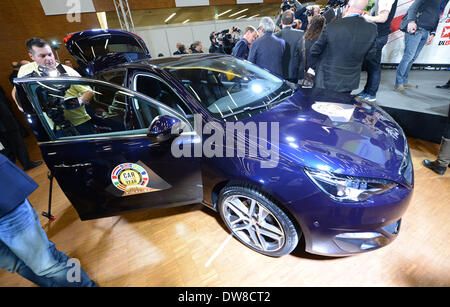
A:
(100, 153)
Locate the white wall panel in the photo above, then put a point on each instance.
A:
(164, 39)
(180, 3)
(201, 33)
(179, 34)
(61, 7)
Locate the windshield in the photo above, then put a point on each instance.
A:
(229, 88)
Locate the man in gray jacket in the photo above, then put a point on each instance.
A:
(267, 51)
(422, 20)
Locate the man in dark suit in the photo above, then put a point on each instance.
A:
(291, 38)
(267, 51)
(342, 48)
(242, 47)
(10, 136)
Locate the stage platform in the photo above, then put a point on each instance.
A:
(422, 112)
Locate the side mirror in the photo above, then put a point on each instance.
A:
(164, 128)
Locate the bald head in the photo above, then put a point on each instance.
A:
(356, 6)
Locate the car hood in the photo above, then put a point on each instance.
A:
(336, 133)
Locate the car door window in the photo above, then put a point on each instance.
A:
(109, 111)
(113, 76)
(160, 91)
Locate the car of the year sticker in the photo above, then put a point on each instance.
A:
(131, 178)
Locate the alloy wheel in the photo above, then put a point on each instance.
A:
(253, 223)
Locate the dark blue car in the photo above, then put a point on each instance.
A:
(274, 162)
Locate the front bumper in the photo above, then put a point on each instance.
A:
(348, 243)
(335, 229)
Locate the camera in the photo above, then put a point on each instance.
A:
(336, 3)
(53, 100)
(228, 39)
(287, 5)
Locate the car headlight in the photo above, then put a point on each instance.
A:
(348, 188)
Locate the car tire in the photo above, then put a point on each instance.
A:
(257, 221)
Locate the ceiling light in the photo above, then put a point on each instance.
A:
(253, 16)
(187, 20)
(238, 12)
(170, 17)
(241, 16)
(223, 13)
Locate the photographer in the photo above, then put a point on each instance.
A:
(242, 47)
(286, 5)
(42, 55)
(305, 13)
(334, 10)
(227, 37)
(216, 46)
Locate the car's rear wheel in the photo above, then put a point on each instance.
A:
(257, 221)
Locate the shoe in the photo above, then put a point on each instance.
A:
(409, 85)
(360, 94)
(434, 167)
(447, 85)
(369, 98)
(32, 165)
(400, 89)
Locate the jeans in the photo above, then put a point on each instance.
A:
(374, 68)
(25, 249)
(413, 45)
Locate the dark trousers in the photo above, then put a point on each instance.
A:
(373, 68)
(15, 147)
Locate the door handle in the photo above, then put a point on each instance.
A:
(79, 165)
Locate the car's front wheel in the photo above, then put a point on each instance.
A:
(257, 221)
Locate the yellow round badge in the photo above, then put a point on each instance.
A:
(130, 177)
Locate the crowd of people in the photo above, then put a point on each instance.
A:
(328, 49)
(324, 50)
(333, 45)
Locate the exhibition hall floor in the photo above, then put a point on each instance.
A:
(421, 112)
(424, 99)
(189, 246)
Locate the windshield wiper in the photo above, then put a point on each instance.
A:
(264, 105)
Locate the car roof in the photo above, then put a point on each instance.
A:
(162, 62)
(180, 59)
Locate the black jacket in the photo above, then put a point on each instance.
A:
(299, 61)
(341, 49)
(7, 120)
(216, 48)
(291, 38)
